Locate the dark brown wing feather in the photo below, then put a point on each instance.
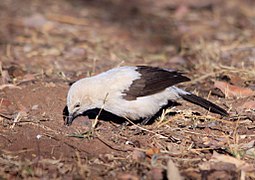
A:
(153, 80)
(204, 103)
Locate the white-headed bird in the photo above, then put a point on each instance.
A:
(133, 92)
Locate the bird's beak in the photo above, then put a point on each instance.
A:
(70, 118)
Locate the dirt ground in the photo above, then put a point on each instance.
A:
(45, 45)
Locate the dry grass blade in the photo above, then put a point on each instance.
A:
(109, 144)
(83, 169)
(67, 19)
(194, 81)
(163, 117)
(144, 129)
(16, 120)
(96, 119)
(5, 116)
(11, 86)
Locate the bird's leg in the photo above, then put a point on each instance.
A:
(125, 123)
(146, 120)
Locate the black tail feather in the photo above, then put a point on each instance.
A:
(204, 103)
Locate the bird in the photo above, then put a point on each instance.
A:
(133, 92)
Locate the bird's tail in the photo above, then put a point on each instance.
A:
(203, 103)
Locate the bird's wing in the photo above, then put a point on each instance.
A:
(152, 80)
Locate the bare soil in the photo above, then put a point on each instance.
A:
(46, 45)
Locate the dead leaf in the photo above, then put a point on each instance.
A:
(15, 71)
(173, 172)
(248, 145)
(35, 107)
(138, 155)
(11, 86)
(67, 19)
(220, 174)
(240, 164)
(156, 173)
(128, 177)
(177, 60)
(236, 79)
(75, 52)
(5, 77)
(233, 91)
(250, 152)
(217, 166)
(4, 104)
(181, 11)
(150, 152)
(38, 21)
(248, 105)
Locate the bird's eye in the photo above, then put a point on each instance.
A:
(77, 105)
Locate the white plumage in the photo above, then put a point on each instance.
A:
(110, 90)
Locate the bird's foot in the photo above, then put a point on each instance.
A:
(146, 120)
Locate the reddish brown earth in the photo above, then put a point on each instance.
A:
(45, 45)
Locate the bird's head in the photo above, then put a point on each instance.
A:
(78, 102)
